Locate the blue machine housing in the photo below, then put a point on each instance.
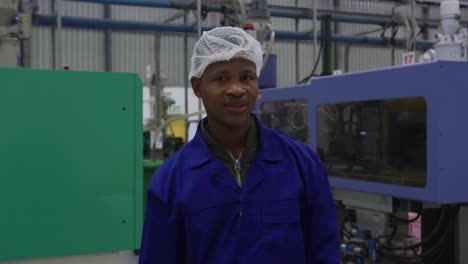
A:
(444, 87)
(267, 78)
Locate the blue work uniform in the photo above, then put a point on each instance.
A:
(284, 213)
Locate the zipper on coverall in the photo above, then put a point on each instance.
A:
(237, 170)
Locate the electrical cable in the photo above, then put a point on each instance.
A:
(348, 46)
(306, 79)
(315, 66)
(394, 20)
(437, 228)
(406, 220)
(391, 235)
(435, 250)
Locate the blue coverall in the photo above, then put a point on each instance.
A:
(197, 213)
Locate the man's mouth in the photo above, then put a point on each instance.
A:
(236, 108)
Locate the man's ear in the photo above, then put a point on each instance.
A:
(196, 86)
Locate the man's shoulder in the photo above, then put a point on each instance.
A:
(171, 167)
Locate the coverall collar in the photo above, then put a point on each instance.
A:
(265, 151)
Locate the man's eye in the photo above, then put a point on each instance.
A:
(221, 78)
(248, 78)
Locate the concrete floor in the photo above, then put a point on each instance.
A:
(125, 257)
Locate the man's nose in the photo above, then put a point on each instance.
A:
(236, 88)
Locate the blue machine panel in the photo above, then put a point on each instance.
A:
(268, 76)
(401, 132)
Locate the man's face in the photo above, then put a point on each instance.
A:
(228, 91)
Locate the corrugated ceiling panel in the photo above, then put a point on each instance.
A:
(132, 51)
(83, 49)
(144, 14)
(172, 58)
(73, 8)
(285, 51)
(41, 48)
(306, 51)
(286, 64)
(197, 104)
(45, 6)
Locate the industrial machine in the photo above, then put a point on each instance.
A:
(451, 42)
(380, 130)
(14, 27)
(396, 133)
(8, 41)
(392, 142)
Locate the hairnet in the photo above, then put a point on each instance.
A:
(223, 44)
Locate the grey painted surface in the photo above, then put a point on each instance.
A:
(123, 257)
(105, 258)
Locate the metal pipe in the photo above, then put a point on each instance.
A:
(425, 14)
(96, 23)
(337, 59)
(112, 24)
(314, 46)
(58, 34)
(326, 29)
(199, 19)
(336, 18)
(156, 89)
(296, 45)
(412, 25)
(345, 39)
(150, 3)
(52, 37)
(199, 31)
(108, 40)
(186, 73)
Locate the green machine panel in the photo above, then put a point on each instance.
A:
(71, 176)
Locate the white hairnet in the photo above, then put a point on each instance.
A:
(223, 44)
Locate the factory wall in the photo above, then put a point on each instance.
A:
(132, 51)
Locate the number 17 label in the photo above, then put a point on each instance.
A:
(408, 58)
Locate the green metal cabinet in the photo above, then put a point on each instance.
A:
(71, 176)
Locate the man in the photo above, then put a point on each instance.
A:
(239, 192)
